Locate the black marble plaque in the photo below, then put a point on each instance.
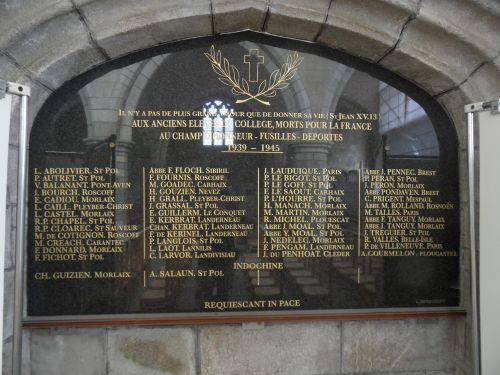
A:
(241, 173)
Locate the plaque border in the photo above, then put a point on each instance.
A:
(153, 319)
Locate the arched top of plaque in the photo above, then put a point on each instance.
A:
(244, 174)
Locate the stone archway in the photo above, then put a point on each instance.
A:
(430, 43)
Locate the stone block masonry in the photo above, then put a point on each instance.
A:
(413, 347)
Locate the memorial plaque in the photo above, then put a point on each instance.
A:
(241, 174)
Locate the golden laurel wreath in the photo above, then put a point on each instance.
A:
(230, 76)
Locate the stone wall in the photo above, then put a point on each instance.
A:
(412, 347)
(450, 48)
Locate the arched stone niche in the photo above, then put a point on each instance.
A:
(451, 42)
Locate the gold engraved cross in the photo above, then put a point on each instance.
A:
(253, 59)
